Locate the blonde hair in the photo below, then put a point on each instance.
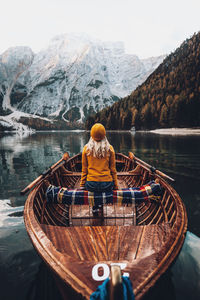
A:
(98, 149)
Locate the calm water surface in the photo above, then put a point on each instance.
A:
(23, 158)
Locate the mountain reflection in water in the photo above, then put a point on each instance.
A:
(23, 158)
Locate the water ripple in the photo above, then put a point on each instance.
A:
(7, 212)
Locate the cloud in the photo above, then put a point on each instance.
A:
(148, 28)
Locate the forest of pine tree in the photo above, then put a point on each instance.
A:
(170, 97)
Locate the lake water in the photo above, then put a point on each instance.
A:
(23, 158)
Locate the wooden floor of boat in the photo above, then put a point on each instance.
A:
(108, 243)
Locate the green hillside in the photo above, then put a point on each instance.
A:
(170, 97)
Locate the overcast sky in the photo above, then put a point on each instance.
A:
(147, 27)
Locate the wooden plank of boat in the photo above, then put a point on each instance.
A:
(80, 249)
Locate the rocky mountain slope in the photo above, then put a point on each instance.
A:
(74, 77)
(168, 98)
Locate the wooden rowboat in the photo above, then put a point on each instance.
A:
(143, 238)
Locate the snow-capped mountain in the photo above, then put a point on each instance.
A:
(74, 77)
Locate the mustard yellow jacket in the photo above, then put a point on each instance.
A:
(98, 169)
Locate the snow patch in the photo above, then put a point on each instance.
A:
(11, 122)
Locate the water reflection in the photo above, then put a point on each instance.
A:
(22, 160)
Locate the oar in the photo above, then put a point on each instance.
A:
(44, 174)
(151, 168)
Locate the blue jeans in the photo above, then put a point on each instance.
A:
(98, 186)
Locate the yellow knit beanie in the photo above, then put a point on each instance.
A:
(98, 132)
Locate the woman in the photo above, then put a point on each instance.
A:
(98, 162)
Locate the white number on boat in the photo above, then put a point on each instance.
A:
(95, 272)
(106, 271)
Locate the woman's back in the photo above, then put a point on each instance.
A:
(98, 159)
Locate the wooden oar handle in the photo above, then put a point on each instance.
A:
(65, 157)
(151, 168)
(44, 174)
(116, 287)
(33, 183)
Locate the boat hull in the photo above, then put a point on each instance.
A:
(80, 254)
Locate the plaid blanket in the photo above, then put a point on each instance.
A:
(147, 192)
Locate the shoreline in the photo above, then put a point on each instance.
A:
(176, 131)
(165, 131)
